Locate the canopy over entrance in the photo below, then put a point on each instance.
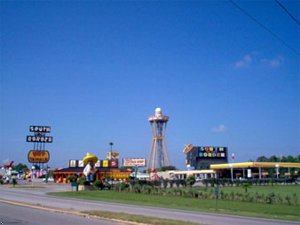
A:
(259, 168)
(255, 165)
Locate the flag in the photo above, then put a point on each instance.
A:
(232, 156)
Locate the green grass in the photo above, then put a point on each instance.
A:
(137, 218)
(277, 189)
(275, 211)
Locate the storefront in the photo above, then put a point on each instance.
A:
(258, 170)
(106, 169)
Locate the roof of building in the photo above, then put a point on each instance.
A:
(193, 171)
(255, 165)
(80, 170)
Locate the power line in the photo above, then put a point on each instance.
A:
(285, 9)
(265, 28)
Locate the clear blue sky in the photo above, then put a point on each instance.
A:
(95, 70)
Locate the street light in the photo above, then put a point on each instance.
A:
(111, 144)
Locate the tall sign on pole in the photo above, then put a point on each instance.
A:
(39, 154)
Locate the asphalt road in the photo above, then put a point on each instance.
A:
(38, 196)
(12, 214)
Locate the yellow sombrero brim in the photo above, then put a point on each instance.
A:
(88, 158)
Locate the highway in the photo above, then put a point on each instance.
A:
(12, 214)
(38, 197)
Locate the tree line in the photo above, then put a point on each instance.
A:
(282, 158)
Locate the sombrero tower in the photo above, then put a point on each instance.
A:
(158, 156)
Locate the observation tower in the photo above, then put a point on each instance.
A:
(158, 156)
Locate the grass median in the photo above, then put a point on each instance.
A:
(274, 211)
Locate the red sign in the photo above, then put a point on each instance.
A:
(113, 163)
(38, 156)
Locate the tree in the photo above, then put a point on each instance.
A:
(291, 159)
(20, 167)
(281, 158)
(262, 159)
(273, 158)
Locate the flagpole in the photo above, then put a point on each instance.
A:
(231, 166)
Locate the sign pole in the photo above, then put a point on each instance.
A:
(38, 156)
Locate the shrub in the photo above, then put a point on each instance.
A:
(177, 182)
(171, 183)
(231, 196)
(98, 184)
(136, 188)
(183, 183)
(121, 186)
(146, 189)
(86, 183)
(191, 180)
(246, 186)
(270, 198)
(288, 199)
(81, 180)
(72, 178)
(295, 199)
(165, 182)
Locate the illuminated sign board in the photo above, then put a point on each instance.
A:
(40, 129)
(38, 156)
(113, 163)
(80, 163)
(188, 148)
(120, 175)
(73, 163)
(212, 152)
(112, 155)
(39, 138)
(104, 163)
(97, 164)
(130, 162)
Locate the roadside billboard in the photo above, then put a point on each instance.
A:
(38, 156)
(212, 152)
(112, 155)
(104, 163)
(113, 163)
(131, 162)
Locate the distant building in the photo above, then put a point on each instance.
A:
(105, 169)
(201, 157)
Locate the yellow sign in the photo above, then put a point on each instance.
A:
(105, 163)
(38, 156)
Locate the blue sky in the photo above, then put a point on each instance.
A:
(95, 70)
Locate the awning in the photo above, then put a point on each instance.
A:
(255, 165)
